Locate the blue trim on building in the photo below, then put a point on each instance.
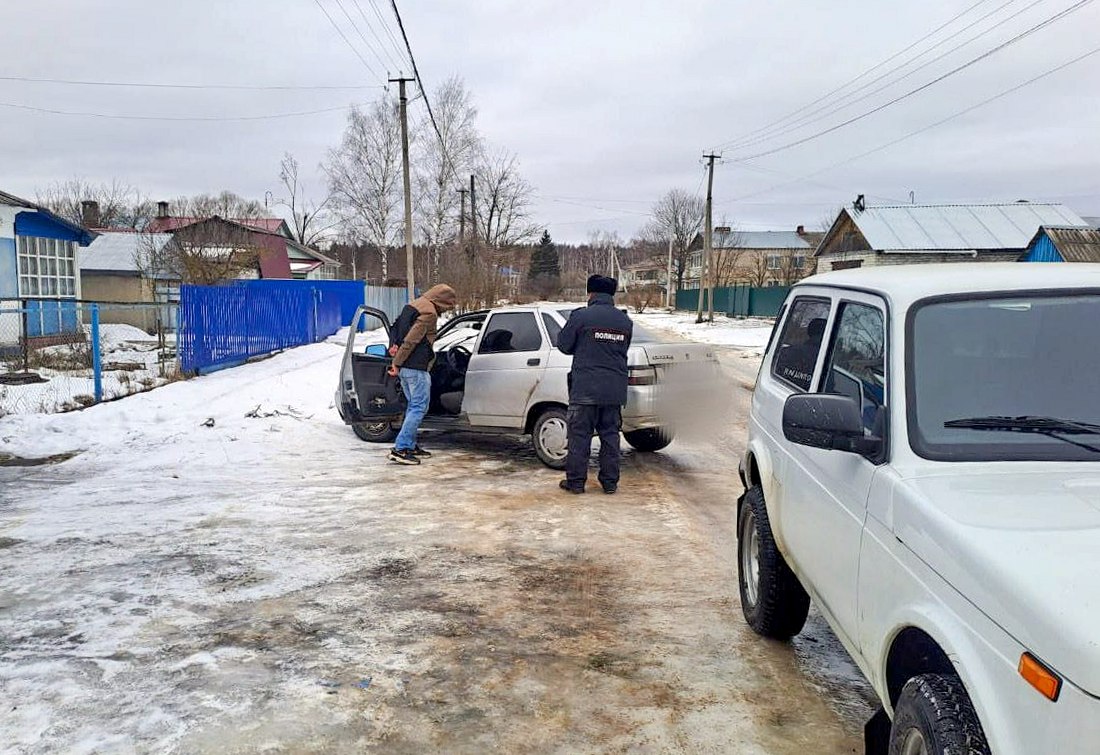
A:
(32, 223)
(1042, 249)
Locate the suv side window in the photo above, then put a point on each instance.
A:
(510, 332)
(553, 330)
(800, 342)
(856, 366)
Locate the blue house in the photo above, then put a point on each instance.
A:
(1064, 244)
(39, 269)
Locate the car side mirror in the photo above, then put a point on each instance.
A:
(475, 325)
(826, 421)
(376, 350)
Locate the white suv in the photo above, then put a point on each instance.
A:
(924, 463)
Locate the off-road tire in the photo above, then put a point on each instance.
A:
(937, 708)
(553, 414)
(781, 604)
(650, 439)
(375, 432)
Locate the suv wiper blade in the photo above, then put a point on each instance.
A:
(1052, 427)
(1026, 423)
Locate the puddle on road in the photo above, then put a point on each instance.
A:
(11, 460)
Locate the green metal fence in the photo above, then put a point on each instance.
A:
(738, 301)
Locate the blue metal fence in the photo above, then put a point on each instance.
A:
(223, 326)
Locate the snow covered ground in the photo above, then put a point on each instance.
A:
(750, 334)
(223, 566)
(131, 364)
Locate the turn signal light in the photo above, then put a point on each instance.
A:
(1040, 677)
(641, 376)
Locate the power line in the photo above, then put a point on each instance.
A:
(848, 83)
(833, 108)
(929, 127)
(385, 64)
(1019, 37)
(347, 41)
(218, 118)
(159, 85)
(385, 27)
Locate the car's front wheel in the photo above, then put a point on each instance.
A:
(773, 601)
(934, 715)
(550, 437)
(375, 432)
(649, 439)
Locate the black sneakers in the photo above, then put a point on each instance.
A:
(403, 457)
(610, 488)
(564, 485)
(418, 451)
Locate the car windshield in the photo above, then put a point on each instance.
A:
(1010, 378)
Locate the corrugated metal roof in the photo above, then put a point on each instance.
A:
(759, 240)
(958, 227)
(1092, 221)
(120, 252)
(174, 223)
(1075, 244)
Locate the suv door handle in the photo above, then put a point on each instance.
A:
(534, 362)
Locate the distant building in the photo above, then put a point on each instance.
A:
(119, 266)
(755, 258)
(40, 267)
(863, 236)
(652, 272)
(1064, 244)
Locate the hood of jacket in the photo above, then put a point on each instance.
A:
(442, 297)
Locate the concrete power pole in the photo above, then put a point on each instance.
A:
(707, 280)
(668, 277)
(410, 260)
(462, 217)
(473, 218)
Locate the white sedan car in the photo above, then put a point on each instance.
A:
(500, 371)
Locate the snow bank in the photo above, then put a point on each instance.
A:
(750, 334)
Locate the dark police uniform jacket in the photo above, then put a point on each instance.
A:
(598, 337)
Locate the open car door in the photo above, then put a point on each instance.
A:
(366, 393)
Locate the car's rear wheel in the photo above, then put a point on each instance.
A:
(649, 439)
(773, 601)
(934, 715)
(375, 432)
(550, 437)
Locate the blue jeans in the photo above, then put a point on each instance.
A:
(417, 385)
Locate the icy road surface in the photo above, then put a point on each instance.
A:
(271, 584)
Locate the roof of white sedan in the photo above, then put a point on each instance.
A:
(908, 283)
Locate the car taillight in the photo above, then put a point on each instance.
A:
(641, 375)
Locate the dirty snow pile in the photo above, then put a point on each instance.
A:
(750, 334)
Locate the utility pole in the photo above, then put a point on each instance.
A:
(707, 279)
(668, 277)
(473, 218)
(462, 217)
(410, 260)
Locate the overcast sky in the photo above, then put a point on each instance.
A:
(607, 103)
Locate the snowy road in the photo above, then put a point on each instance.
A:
(272, 584)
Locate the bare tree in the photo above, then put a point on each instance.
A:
(605, 246)
(120, 204)
(364, 175)
(757, 267)
(204, 253)
(728, 260)
(677, 215)
(224, 204)
(503, 202)
(442, 166)
(310, 221)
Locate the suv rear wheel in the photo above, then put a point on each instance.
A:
(649, 439)
(933, 715)
(773, 601)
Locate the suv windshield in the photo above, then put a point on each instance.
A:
(1008, 378)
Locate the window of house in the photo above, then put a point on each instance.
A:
(47, 267)
(800, 342)
(510, 332)
(774, 261)
(798, 262)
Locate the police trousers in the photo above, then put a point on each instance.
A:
(606, 421)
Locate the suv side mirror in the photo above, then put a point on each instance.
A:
(826, 421)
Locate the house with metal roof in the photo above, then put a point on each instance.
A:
(38, 269)
(121, 267)
(864, 236)
(757, 258)
(1064, 244)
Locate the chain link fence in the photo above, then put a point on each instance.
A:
(60, 355)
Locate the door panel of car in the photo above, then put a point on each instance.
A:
(506, 369)
(825, 492)
(365, 390)
(555, 380)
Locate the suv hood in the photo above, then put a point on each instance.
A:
(1024, 547)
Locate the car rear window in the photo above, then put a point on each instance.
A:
(511, 332)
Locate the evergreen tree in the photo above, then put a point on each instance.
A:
(544, 275)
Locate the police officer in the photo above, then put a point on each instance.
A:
(597, 336)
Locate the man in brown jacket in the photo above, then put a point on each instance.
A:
(411, 342)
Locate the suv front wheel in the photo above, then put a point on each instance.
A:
(934, 714)
(773, 601)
